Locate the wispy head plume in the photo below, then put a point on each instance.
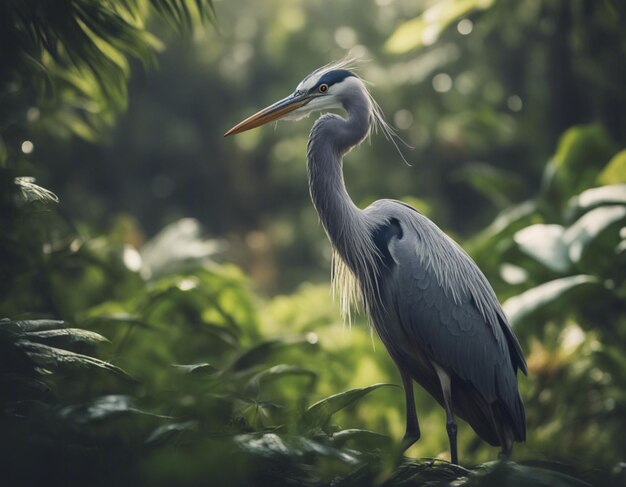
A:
(378, 123)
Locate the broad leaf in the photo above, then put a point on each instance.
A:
(519, 307)
(271, 445)
(589, 227)
(163, 433)
(591, 198)
(198, 369)
(580, 155)
(103, 408)
(70, 335)
(506, 223)
(515, 474)
(260, 415)
(615, 170)
(426, 29)
(177, 247)
(498, 185)
(278, 372)
(56, 358)
(229, 336)
(261, 352)
(320, 413)
(23, 326)
(362, 437)
(281, 370)
(544, 243)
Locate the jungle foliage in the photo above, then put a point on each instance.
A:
(128, 360)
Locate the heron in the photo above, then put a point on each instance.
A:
(430, 304)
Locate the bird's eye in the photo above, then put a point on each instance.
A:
(324, 88)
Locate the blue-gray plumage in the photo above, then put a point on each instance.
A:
(430, 304)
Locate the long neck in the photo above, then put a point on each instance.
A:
(332, 137)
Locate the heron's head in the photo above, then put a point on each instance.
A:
(323, 89)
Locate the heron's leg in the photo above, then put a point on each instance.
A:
(507, 447)
(412, 433)
(446, 387)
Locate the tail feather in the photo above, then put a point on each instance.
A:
(470, 406)
(495, 423)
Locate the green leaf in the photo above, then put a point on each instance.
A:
(179, 246)
(511, 217)
(71, 335)
(278, 372)
(429, 472)
(265, 445)
(77, 54)
(165, 432)
(521, 306)
(362, 438)
(103, 408)
(271, 445)
(229, 336)
(197, 369)
(320, 413)
(261, 352)
(24, 326)
(545, 244)
(615, 170)
(259, 415)
(594, 197)
(589, 227)
(498, 185)
(581, 153)
(501, 232)
(56, 358)
(515, 474)
(281, 370)
(426, 29)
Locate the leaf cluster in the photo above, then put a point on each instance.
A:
(69, 62)
(563, 256)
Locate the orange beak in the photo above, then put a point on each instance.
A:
(273, 112)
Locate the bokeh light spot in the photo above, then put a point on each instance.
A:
(27, 147)
(345, 37)
(257, 240)
(465, 27)
(403, 119)
(32, 114)
(132, 258)
(513, 274)
(514, 103)
(442, 83)
(188, 283)
(312, 338)
(242, 52)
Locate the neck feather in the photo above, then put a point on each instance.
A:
(347, 227)
(332, 137)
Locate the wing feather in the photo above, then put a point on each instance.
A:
(446, 307)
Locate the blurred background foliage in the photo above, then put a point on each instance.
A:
(164, 295)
